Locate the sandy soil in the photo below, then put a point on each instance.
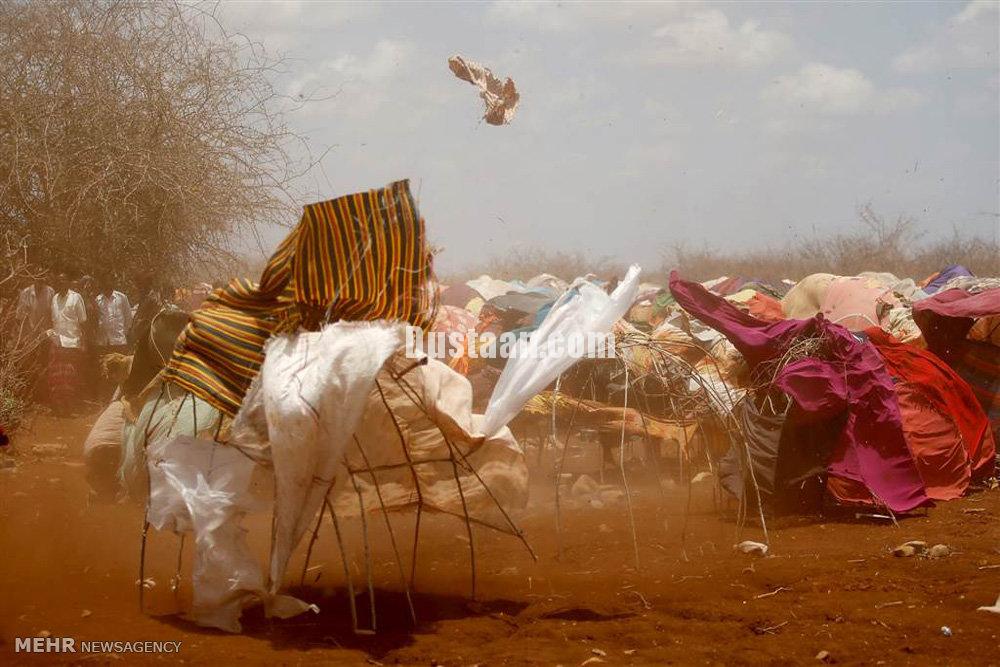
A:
(70, 568)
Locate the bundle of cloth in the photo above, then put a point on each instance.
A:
(857, 302)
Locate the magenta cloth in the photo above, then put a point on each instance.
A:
(819, 393)
(873, 448)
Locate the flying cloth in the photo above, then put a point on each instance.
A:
(362, 256)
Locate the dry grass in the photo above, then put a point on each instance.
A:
(526, 262)
(876, 245)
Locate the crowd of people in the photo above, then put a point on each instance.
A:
(73, 323)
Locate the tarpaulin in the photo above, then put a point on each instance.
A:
(857, 303)
(960, 303)
(312, 391)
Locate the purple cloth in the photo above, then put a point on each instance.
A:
(946, 274)
(873, 450)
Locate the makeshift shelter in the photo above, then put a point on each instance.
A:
(836, 384)
(798, 447)
(254, 390)
(359, 257)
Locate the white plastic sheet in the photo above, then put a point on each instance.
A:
(304, 407)
(583, 309)
(314, 387)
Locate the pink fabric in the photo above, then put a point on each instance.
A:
(856, 303)
(873, 449)
(959, 303)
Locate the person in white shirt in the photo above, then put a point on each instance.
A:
(34, 306)
(114, 318)
(67, 358)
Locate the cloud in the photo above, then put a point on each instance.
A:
(560, 17)
(282, 26)
(385, 60)
(822, 89)
(368, 79)
(706, 37)
(686, 34)
(968, 40)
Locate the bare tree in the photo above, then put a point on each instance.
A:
(137, 136)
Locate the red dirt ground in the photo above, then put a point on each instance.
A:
(70, 569)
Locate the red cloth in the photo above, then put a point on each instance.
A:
(946, 391)
(936, 443)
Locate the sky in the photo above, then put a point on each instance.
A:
(726, 125)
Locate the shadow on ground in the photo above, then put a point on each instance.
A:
(332, 626)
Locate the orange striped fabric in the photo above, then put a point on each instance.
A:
(359, 257)
(364, 256)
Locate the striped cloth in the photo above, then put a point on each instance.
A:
(358, 257)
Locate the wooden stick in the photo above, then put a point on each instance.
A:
(392, 536)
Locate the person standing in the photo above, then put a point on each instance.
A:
(34, 306)
(114, 314)
(147, 306)
(34, 314)
(69, 315)
(114, 318)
